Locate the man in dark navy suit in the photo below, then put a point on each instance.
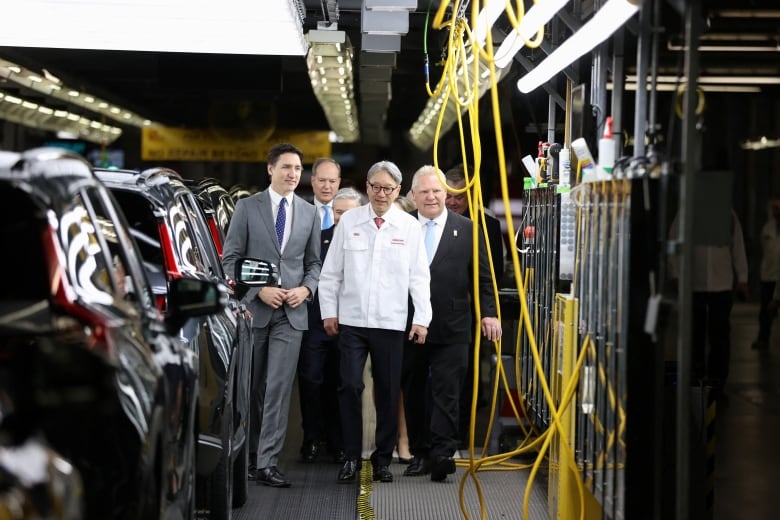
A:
(318, 364)
(433, 373)
(458, 203)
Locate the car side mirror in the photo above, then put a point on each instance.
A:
(256, 273)
(189, 297)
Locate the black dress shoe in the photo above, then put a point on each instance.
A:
(348, 471)
(271, 477)
(418, 467)
(339, 457)
(441, 467)
(382, 474)
(310, 451)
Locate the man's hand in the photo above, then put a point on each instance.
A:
(418, 333)
(491, 328)
(274, 297)
(331, 326)
(297, 296)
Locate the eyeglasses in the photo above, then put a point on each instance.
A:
(387, 190)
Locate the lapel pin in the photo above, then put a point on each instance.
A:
(454, 232)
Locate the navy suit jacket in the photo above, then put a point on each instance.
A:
(315, 317)
(451, 283)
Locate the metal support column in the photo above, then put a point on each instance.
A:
(642, 58)
(691, 163)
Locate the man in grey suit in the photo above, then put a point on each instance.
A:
(281, 227)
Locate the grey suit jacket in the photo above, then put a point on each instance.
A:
(252, 234)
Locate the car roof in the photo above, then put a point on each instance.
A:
(157, 184)
(49, 173)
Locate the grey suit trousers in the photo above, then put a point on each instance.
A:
(276, 345)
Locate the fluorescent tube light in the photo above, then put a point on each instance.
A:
(670, 87)
(536, 17)
(606, 21)
(747, 80)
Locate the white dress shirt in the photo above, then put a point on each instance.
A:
(276, 199)
(369, 273)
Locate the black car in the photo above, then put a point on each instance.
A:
(176, 243)
(218, 206)
(88, 364)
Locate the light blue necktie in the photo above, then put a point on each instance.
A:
(281, 217)
(327, 219)
(430, 239)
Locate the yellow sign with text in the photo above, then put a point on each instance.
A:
(162, 143)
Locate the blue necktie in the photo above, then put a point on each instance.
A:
(327, 219)
(281, 217)
(430, 239)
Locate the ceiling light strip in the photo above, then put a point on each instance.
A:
(747, 80)
(671, 87)
(330, 66)
(34, 115)
(51, 86)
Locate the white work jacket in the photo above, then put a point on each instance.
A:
(369, 273)
(770, 251)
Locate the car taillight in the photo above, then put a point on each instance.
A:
(166, 243)
(215, 235)
(73, 317)
(161, 302)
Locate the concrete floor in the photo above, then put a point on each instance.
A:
(747, 460)
(747, 454)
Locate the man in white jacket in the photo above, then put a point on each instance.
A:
(770, 271)
(718, 270)
(376, 262)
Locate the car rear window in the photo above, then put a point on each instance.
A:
(22, 226)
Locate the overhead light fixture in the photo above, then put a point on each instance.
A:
(746, 80)
(330, 62)
(272, 27)
(729, 42)
(49, 85)
(536, 18)
(24, 112)
(606, 21)
(747, 13)
(760, 144)
(670, 87)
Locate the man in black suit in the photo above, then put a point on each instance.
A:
(318, 364)
(458, 203)
(433, 373)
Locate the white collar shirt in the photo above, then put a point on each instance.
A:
(276, 199)
(369, 274)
